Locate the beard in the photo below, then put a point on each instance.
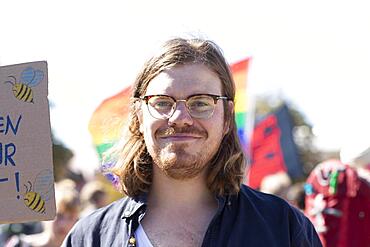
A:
(175, 162)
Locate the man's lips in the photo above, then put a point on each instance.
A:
(180, 137)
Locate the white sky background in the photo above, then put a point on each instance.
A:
(314, 53)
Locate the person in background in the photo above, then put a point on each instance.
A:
(181, 165)
(27, 228)
(68, 209)
(295, 195)
(338, 197)
(276, 184)
(279, 184)
(93, 196)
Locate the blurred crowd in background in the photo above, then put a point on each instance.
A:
(75, 198)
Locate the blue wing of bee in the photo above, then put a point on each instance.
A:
(44, 184)
(31, 77)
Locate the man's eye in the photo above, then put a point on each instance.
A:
(199, 104)
(163, 104)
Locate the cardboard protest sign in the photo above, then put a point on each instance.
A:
(26, 164)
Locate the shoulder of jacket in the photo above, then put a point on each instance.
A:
(267, 205)
(108, 214)
(247, 193)
(99, 226)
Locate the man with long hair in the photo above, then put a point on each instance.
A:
(181, 165)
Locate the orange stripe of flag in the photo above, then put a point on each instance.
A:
(107, 120)
(240, 73)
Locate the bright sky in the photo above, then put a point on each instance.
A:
(315, 53)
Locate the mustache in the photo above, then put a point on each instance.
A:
(182, 130)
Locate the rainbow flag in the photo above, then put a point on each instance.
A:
(106, 122)
(239, 71)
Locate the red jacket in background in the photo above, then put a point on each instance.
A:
(338, 204)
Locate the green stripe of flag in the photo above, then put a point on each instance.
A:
(241, 119)
(101, 148)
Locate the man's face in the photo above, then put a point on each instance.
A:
(181, 146)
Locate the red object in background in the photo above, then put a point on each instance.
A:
(338, 204)
(273, 149)
(267, 154)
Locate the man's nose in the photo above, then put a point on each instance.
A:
(181, 115)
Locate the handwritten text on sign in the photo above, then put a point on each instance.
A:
(26, 169)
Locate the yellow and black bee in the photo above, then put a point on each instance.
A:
(29, 78)
(35, 198)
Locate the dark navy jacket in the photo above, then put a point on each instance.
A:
(250, 218)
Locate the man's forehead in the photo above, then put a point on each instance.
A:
(185, 80)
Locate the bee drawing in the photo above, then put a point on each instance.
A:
(29, 78)
(38, 193)
(33, 200)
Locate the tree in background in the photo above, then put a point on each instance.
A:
(61, 157)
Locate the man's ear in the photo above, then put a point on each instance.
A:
(229, 108)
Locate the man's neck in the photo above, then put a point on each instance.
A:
(178, 211)
(173, 193)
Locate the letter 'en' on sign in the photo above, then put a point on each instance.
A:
(26, 163)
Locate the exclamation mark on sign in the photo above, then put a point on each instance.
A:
(17, 183)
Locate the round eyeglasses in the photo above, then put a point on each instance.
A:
(198, 105)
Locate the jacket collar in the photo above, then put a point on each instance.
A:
(135, 204)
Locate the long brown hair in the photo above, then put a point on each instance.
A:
(133, 164)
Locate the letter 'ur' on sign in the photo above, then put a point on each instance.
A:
(7, 152)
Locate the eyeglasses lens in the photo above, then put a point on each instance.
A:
(199, 106)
